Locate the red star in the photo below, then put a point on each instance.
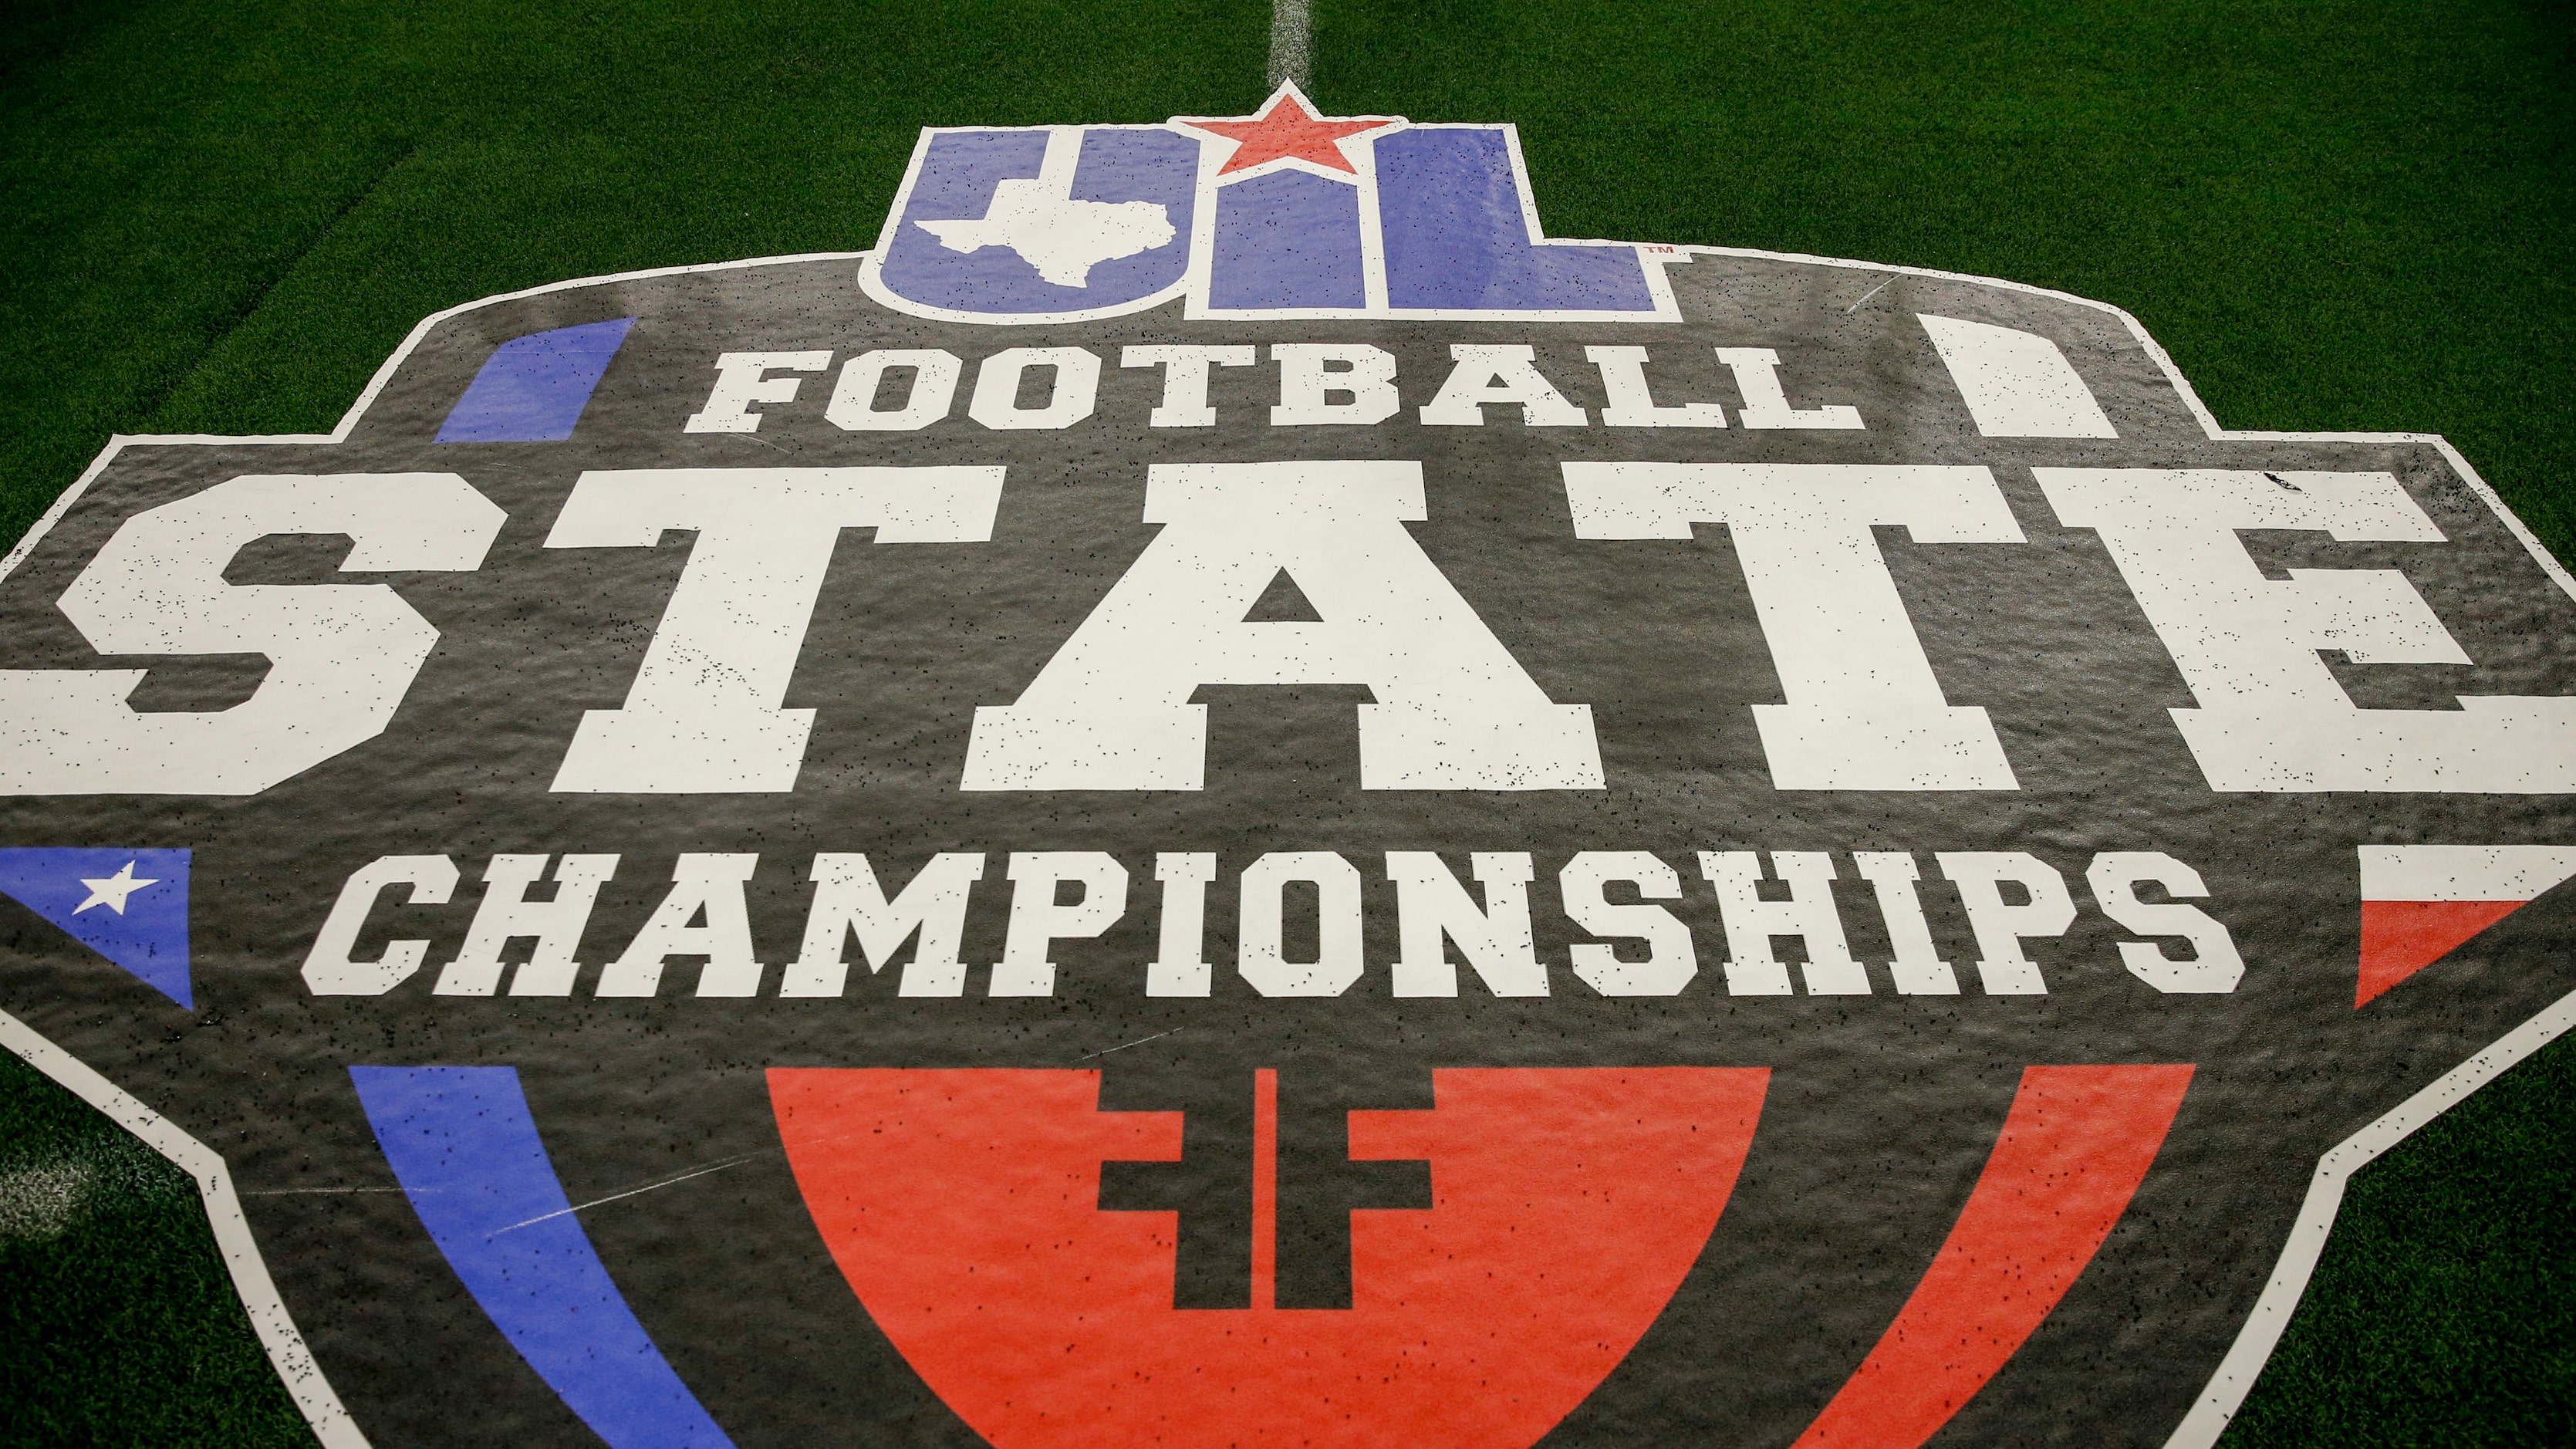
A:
(1287, 128)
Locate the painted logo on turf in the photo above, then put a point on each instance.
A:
(1382, 830)
(1285, 213)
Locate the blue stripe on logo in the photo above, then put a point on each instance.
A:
(533, 388)
(128, 905)
(1288, 239)
(1457, 238)
(466, 1150)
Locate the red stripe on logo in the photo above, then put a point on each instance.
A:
(2073, 1150)
(2400, 938)
(1265, 1189)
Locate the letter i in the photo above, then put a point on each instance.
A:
(1918, 968)
(1180, 968)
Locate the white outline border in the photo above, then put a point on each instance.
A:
(288, 1354)
(276, 1327)
(2211, 1411)
(2236, 1373)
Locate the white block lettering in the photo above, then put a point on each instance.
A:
(996, 403)
(1037, 922)
(1670, 961)
(1499, 374)
(2215, 965)
(340, 656)
(1757, 381)
(1808, 913)
(1631, 405)
(934, 388)
(1864, 710)
(1185, 380)
(1309, 377)
(328, 971)
(1180, 967)
(1495, 938)
(704, 713)
(506, 913)
(1454, 710)
(2271, 716)
(701, 885)
(742, 378)
(1261, 958)
(849, 902)
(1918, 969)
(2016, 384)
(2002, 926)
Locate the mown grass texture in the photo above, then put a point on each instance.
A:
(221, 218)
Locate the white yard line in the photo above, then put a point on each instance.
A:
(1291, 58)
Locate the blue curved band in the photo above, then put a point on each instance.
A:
(466, 1150)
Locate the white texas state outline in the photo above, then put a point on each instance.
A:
(1063, 238)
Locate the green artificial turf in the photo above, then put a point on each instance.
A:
(220, 217)
(118, 1324)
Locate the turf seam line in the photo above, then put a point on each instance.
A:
(630, 1192)
(118, 442)
(240, 316)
